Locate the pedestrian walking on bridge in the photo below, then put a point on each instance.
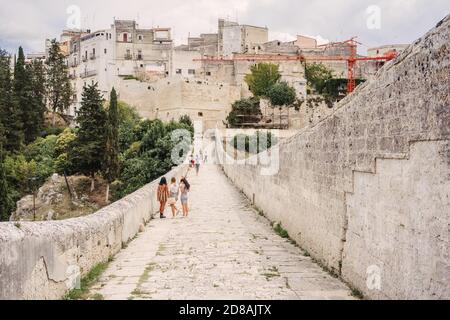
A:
(174, 192)
(198, 159)
(162, 196)
(184, 191)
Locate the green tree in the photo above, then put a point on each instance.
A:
(88, 149)
(6, 203)
(59, 90)
(62, 148)
(42, 151)
(186, 120)
(111, 170)
(2, 134)
(29, 96)
(21, 87)
(262, 77)
(317, 76)
(281, 94)
(128, 120)
(148, 157)
(156, 131)
(244, 110)
(10, 115)
(39, 93)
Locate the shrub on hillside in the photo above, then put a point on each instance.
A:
(244, 110)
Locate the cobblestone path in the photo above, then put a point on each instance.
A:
(224, 250)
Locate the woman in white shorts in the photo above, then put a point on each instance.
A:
(173, 193)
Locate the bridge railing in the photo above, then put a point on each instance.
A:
(43, 260)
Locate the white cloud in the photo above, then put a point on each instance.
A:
(282, 36)
(29, 22)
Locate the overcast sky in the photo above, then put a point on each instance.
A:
(29, 23)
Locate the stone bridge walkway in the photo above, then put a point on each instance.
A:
(224, 250)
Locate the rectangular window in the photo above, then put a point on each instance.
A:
(178, 71)
(200, 114)
(208, 73)
(128, 55)
(106, 51)
(191, 71)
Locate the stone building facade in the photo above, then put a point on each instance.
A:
(124, 50)
(236, 38)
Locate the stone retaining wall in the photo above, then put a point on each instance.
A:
(38, 260)
(366, 191)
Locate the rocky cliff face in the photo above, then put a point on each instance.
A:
(54, 202)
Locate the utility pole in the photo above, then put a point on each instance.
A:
(68, 185)
(32, 182)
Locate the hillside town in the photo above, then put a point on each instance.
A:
(205, 76)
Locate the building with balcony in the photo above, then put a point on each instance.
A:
(123, 50)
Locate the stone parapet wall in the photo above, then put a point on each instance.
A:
(366, 190)
(38, 260)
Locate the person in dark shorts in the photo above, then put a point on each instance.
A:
(197, 164)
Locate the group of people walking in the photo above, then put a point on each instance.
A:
(169, 195)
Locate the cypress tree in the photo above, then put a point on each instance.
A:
(111, 169)
(9, 112)
(39, 96)
(23, 97)
(88, 152)
(2, 100)
(59, 90)
(2, 134)
(6, 205)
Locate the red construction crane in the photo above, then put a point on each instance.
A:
(351, 58)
